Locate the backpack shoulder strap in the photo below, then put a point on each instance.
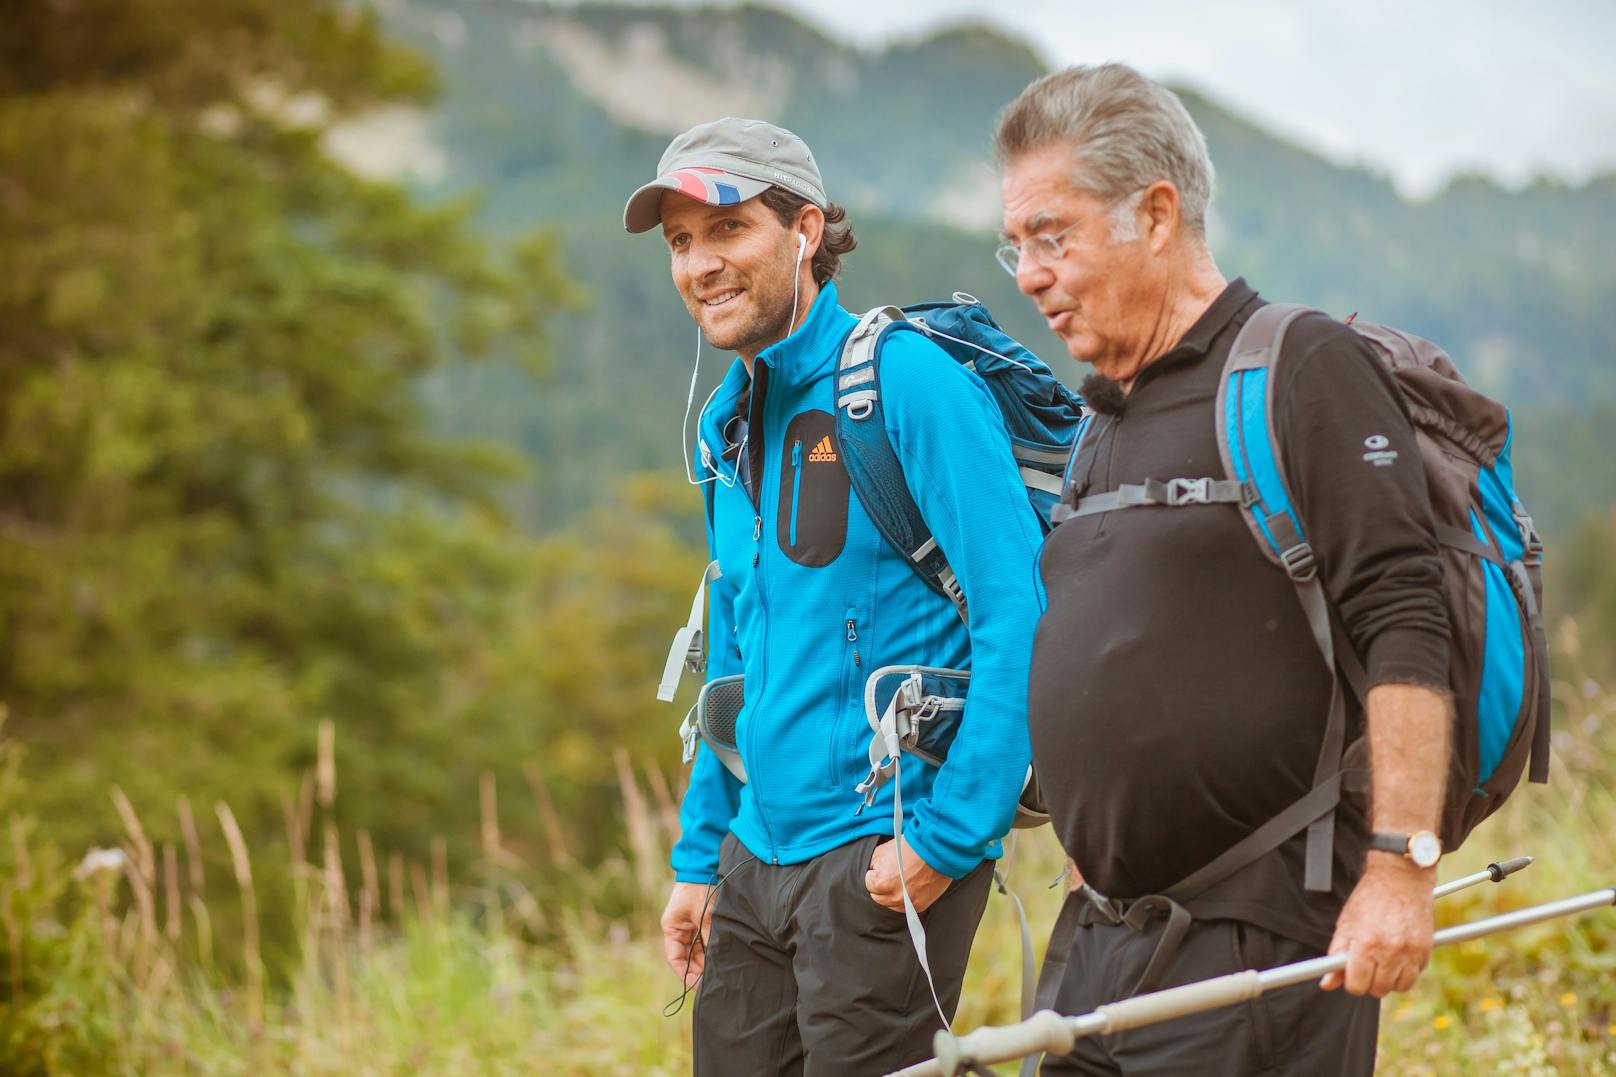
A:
(1249, 447)
(689, 648)
(1245, 425)
(873, 465)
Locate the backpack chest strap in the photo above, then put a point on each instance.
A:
(1171, 493)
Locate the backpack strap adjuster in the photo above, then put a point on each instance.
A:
(1299, 563)
(951, 589)
(1530, 540)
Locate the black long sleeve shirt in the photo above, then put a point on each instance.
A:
(1178, 700)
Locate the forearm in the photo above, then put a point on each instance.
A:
(958, 463)
(1409, 727)
(1386, 925)
(709, 804)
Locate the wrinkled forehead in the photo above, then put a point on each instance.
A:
(1040, 194)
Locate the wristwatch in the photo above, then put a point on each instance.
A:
(1422, 847)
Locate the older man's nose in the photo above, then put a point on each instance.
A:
(1032, 276)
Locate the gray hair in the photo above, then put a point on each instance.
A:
(1125, 132)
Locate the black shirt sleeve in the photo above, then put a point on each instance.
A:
(1354, 468)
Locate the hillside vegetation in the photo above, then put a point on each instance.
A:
(552, 114)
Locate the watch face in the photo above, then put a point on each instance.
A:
(1424, 848)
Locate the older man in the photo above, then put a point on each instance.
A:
(787, 905)
(1178, 700)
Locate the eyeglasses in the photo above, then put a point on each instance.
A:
(1040, 249)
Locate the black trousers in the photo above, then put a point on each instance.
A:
(1297, 1030)
(806, 974)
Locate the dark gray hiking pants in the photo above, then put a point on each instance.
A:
(806, 974)
(1296, 1030)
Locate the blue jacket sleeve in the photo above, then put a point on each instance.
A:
(714, 794)
(956, 457)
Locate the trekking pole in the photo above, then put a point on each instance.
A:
(1494, 873)
(1048, 1032)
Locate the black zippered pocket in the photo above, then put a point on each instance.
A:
(814, 488)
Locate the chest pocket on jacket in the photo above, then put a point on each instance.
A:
(814, 488)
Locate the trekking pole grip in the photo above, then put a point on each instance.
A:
(1045, 1031)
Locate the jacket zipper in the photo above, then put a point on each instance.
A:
(759, 464)
(796, 487)
(850, 633)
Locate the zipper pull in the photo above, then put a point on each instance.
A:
(757, 528)
(852, 631)
(796, 454)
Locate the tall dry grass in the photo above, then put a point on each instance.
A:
(404, 969)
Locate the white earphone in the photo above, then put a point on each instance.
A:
(802, 245)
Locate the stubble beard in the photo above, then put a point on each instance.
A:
(770, 318)
(758, 332)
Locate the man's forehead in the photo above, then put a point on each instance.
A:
(1045, 213)
(1040, 195)
(677, 208)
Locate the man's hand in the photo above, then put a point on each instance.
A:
(680, 922)
(1385, 928)
(926, 884)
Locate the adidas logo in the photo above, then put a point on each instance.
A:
(823, 453)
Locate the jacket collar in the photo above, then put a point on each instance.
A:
(816, 343)
(798, 359)
(1199, 340)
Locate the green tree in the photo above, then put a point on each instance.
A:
(221, 516)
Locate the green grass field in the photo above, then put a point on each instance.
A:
(410, 972)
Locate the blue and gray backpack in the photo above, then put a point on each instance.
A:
(1492, 563)
(1040, 414)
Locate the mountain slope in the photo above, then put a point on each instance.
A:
(555, 113)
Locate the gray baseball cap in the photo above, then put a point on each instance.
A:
(725, 162)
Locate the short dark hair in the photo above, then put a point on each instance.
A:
(837, 240)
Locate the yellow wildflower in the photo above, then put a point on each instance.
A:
(1568, 999)
(1491, 1004)
(1442, 1022)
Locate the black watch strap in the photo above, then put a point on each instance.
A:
(1386, 842)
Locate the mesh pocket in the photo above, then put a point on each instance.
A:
(720, 710)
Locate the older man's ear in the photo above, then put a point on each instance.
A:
(1159, 219)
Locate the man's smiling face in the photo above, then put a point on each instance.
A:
(733, 266)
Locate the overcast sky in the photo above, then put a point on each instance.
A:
(1418, 88)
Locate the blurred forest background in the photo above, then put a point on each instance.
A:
(339, 428)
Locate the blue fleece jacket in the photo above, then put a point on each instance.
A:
(812, 599)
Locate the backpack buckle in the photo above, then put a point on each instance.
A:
(1298, 562)
(1530, 539)
(1189, 491)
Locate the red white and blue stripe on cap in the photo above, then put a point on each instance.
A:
(706, 185)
